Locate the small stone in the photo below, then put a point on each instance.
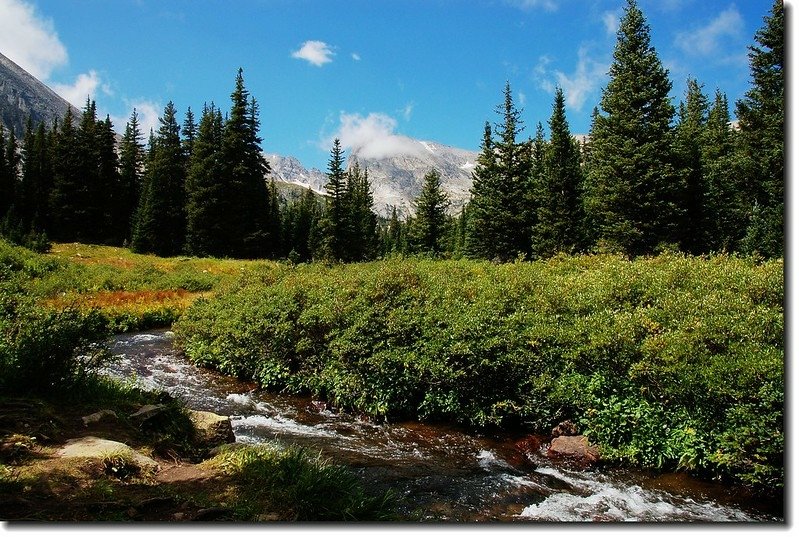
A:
(97, 417)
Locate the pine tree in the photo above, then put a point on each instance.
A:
(632, 198)
(34, 188)
(727, 202)
(501, 218)
(207, 195)
(7, 180)
(68, 182)
(251, 233)
(428, 228)
(189, 132)
(301, 223)
(762, 139)
(334, 222)
(689, 134)
(558, 226)
(113, 228)
(360, 223)
(131, 167)
(161, 222)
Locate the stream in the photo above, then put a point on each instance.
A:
(438, 472)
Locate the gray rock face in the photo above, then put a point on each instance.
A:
(99, 448)
(290, 170)
(397, 180)
(22, 95)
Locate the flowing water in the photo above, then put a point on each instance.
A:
(439, 472)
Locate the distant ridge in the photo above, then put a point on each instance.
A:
(23, 95)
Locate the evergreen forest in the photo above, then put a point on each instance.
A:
(649, 177)
(629, 282)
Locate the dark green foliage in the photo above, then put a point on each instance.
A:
(762, 138)
(558, 184)
(67, 194)
(160, 218)
(250, 223)
(361, 223)
(633, 197)
(662, 360)
(42, 352)
(427, 230)
(8, 181)
(301, 227)
(334, 221)
(131, 167)
(207, 196)
(689, 135)
(500, 219)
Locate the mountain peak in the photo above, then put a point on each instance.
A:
(22, 95)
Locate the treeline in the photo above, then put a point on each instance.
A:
(196, 188)
(648, 178)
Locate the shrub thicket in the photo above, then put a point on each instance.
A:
(667, 362)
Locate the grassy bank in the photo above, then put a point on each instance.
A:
(55, 312)
(666, 362)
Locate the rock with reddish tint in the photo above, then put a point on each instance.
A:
(576, 449)
(530, 445)
(565, 428)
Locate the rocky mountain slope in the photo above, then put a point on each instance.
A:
(396, 178)
(22, 95)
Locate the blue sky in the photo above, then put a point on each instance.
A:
(359, 69)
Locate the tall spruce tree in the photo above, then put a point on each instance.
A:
(66, 195)
(689, 135)
(501, 218)
(428, 229)
(761, 114)
(558, 226)
(251, 234)
(207, 195)
(727, 201)
(110, 184)
(632, 197)
(7, 180)
(160, 226)
(37, 173)
(361, 222)
(334, 222)
(131, 168)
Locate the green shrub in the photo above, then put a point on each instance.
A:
(298, 485)
(664, 361)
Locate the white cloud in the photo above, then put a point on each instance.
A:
(356, 56)
(29, 40)
(407, 111)
(147, 114)
(707, 40)
(611, 21)
(586, 79)
(85, 85)
(522, 98)
(372, 137)
(316, 53)
(548, 5)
